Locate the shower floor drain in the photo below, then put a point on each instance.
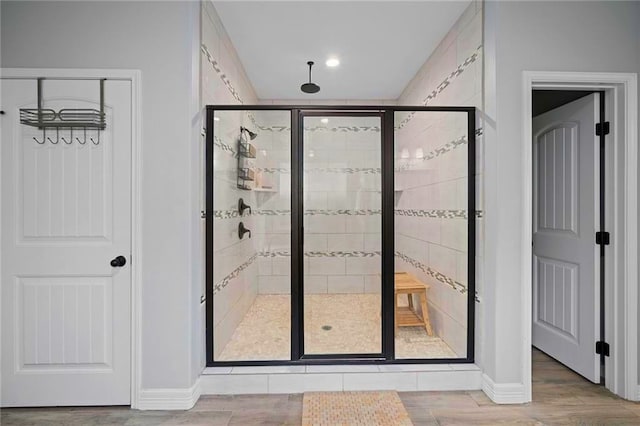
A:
(326, 327)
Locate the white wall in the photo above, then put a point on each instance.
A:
(157, 38)
(537, 36)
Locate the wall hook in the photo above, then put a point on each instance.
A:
(70, 137)
(96, 142)
(85, 137)
(57, 137)
(44, 136)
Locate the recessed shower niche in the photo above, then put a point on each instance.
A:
(340, 234)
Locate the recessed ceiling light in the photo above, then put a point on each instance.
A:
(332, 62)
(324, 120)
(216, 118)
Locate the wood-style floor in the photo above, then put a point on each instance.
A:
(560, 397)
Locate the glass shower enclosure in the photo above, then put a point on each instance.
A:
(340, 234)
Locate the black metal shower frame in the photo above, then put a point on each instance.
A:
(297, 114)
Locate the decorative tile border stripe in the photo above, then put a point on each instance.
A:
(225, 214)
(235, 273)
(437, 214)
(223, 76)
(356, 253)
(225, 147)
(341, 254)
(337, 129)
(455, 74)
(348, 170)
(458, 286)
(232, 213)
(443, 85)
(271, 254)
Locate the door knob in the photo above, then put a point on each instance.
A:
(119, 262)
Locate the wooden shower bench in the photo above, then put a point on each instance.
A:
(407, 316)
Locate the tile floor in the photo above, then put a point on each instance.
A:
(354, 327)
(560, 397)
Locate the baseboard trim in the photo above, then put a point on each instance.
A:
(169, 399)
(504, 393)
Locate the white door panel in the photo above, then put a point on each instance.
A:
(66, 212)
(566, 259)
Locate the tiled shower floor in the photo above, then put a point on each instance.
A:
(354, 321)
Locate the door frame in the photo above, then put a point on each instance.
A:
(388, 142)
(387, 346)
(621, 206)
(134, 76)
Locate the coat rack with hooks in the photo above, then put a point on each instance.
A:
(78, 119)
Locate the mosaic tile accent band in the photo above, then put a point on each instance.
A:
(342, 254)
(284, 253)
(436, 214)
(443, 85)
(223, 76)
(235, 273)
(458, 286)
(349, 170)
(225, 147)
(455, 74)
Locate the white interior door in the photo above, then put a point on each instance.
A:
(565, 257)
(66, 213)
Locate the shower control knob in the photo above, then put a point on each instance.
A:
(119, 262)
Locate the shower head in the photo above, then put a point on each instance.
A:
(251, 134)
(310, 87)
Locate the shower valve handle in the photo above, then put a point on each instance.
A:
(242, 230)
(242, 207)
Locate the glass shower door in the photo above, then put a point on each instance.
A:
(342, 222)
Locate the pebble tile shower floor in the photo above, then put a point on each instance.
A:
(354, 321)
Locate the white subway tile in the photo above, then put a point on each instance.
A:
(400, 381)
(345, 284)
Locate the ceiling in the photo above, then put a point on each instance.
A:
(380, 44)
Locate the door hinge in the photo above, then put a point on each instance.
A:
(602, 238)
(204, 214)
(602, 348)
(602, 128)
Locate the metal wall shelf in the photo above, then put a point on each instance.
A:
(66, 118)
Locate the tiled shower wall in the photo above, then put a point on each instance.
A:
(223, 81)
(431, 172)
(342, 204)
